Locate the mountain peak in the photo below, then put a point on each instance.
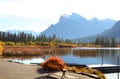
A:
(94, 19)
(73, 16)
(75, 26)
(77, 16)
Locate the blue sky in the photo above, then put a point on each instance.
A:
(37, 15)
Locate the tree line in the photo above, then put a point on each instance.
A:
(106, 41)
(43, 39)
(29, 38)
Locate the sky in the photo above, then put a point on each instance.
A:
(38, 15)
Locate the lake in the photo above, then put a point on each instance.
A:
(88, 56)
(82, 55)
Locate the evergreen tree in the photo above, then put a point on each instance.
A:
(113, 42)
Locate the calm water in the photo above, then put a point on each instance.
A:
(88, 56)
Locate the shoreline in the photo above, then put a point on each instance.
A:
(11, 70)
(97, 48)
(41, 50)
(28, 50)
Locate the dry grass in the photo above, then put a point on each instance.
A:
(22, 51)
(87, 71)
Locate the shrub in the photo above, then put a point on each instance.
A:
(54, 63)
(73, 69)
(10, 43)
(88, 71)
(1, 49)
(20, 44)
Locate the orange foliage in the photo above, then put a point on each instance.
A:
(54, 63)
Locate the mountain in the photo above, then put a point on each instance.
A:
(112, 32)
(75, 26)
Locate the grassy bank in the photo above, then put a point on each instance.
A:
(22, 51)
(33, 50)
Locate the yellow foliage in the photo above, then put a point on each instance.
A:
(74, 69)
(1, 49)
(87, 71)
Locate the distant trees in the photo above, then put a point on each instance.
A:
(16, 37)
(106, 42)
(22, 37)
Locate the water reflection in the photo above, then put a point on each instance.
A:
(29, 61)
(79, 55)
(85, 53)
(85, 56)
(58, 52)
(109, 56)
